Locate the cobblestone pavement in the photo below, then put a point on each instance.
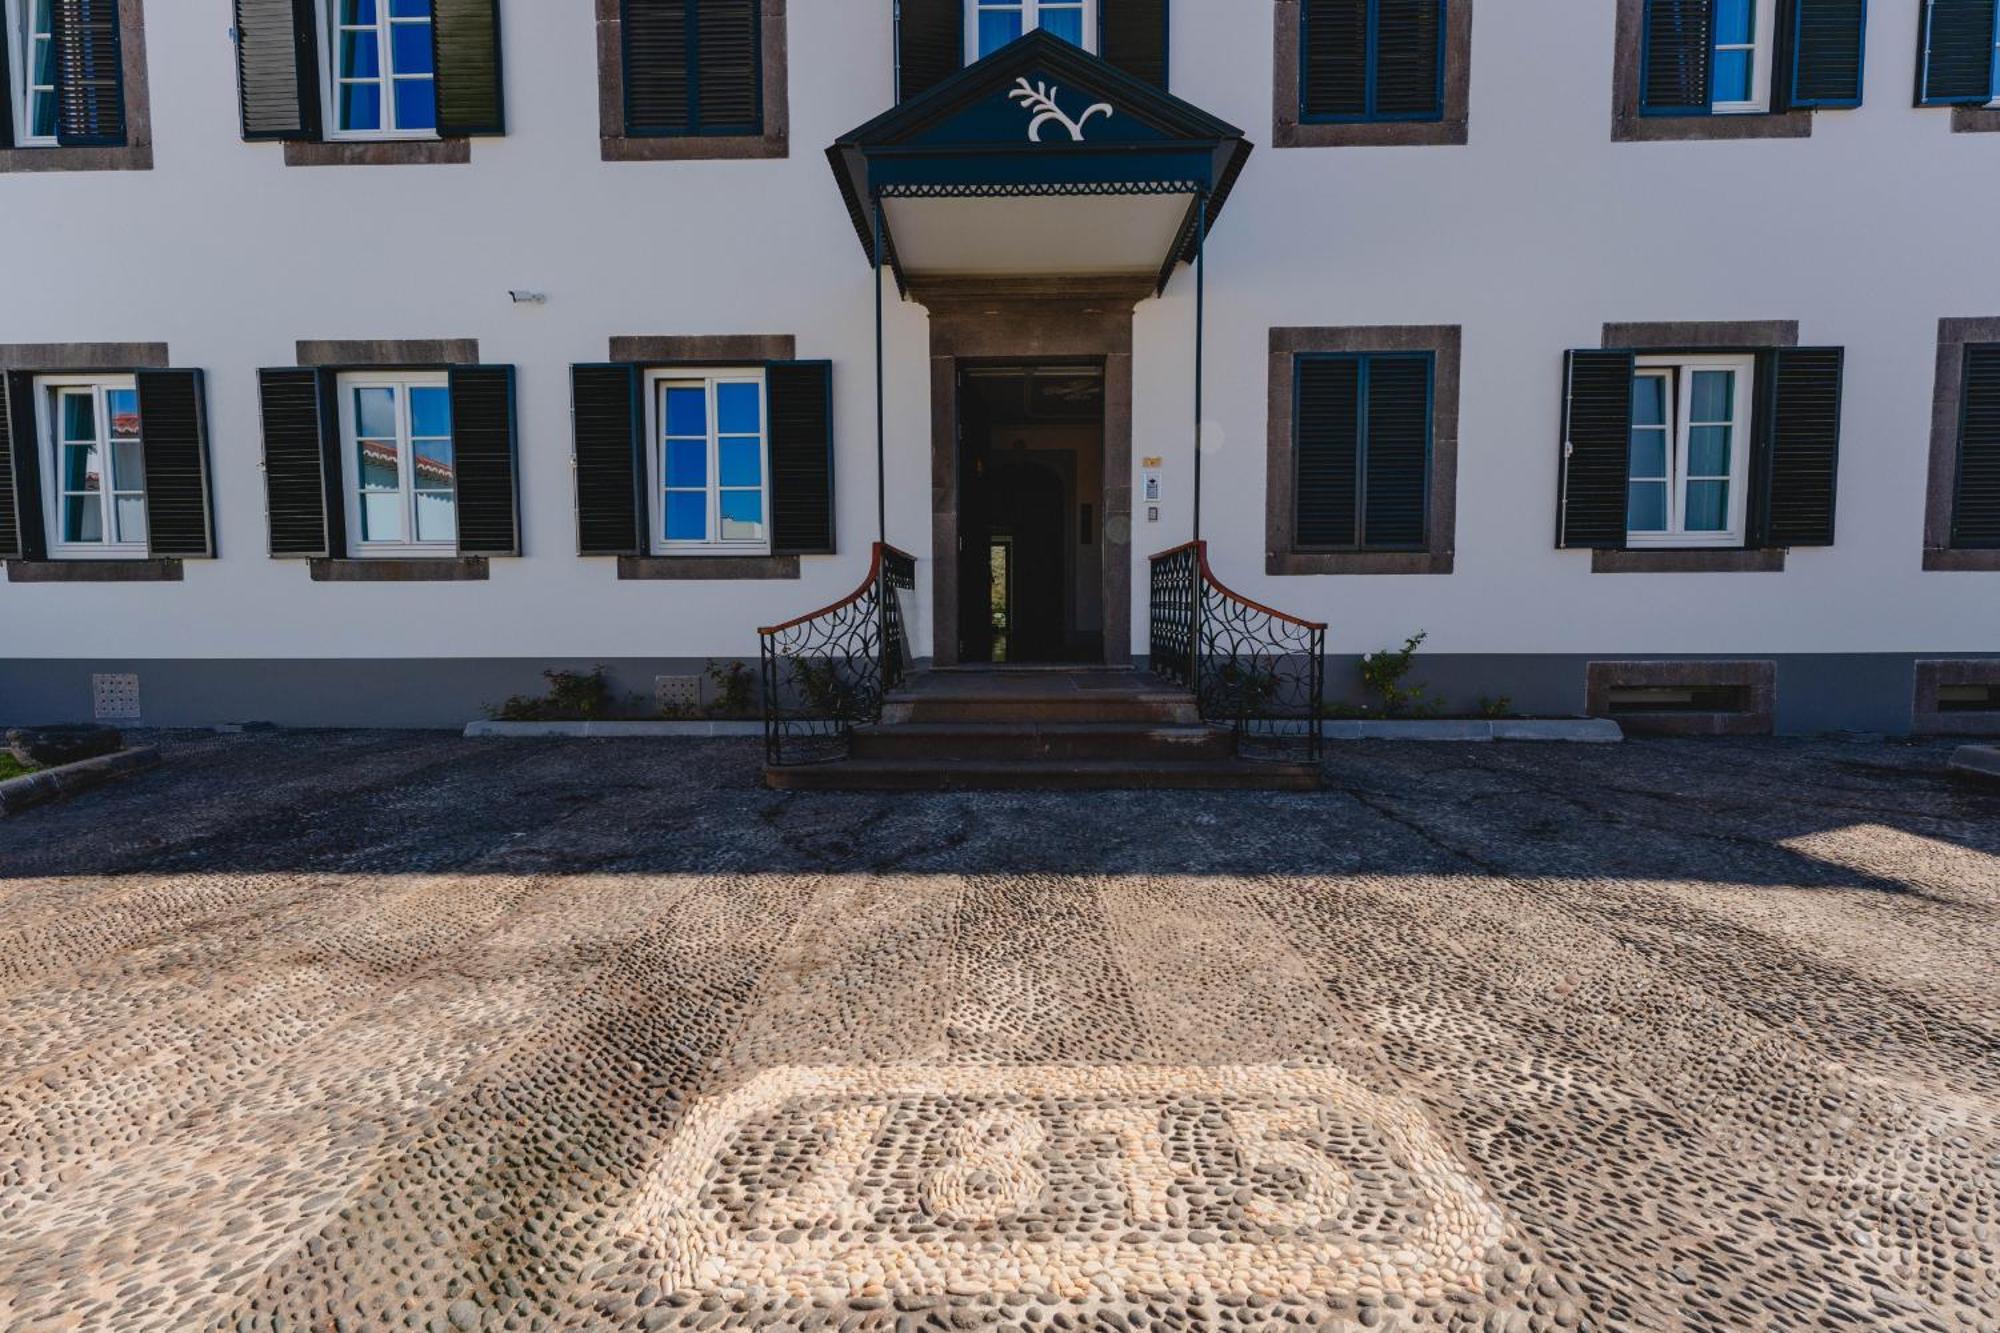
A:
(377, 1031)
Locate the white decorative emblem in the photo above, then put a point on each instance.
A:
(1040, 98)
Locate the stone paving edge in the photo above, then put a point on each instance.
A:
(56, 784)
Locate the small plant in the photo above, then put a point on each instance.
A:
(1384, 674)
(735, 689)
(826, 693)
(1494, 709)
(574, 696)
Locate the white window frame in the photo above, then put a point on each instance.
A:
(406, 471)
(657, 383)
(1762, 49)
(16, 14)
(48, 428)
(1680, 377)
(1994, 77)
(1031, 19)
(329, 81)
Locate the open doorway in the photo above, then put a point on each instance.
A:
(1031, 486)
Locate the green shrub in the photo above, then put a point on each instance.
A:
(1384, 674)
(735, 692)
(574, 696)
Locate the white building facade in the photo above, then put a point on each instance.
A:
(535, 335)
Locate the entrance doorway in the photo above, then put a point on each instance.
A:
(1030, 506)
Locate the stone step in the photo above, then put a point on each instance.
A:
(1045, 775)
(965, 741)
(1019, 707)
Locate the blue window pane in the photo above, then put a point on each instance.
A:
(1732, 76)
(1064, 23)
(122, 405)
(41, 21)
(409, 9)
(79, 417)
(742, 516)
(375, 414)
(687, 412)
(1646, 507)
(81, 471)
(687, 517)
(1649, 453)
(131, 515)
(437, 516)
(83, 519)
(1708, 506)
(379, 465)
(382, 518)
(430, 411)
(1649, 401)
(128, 467)
(435, 467)
(44, 62)
(742, 463)
(997, 27)
(687, 462)
(1708, 451)
(416, 104)
(45, 114)
(361, 106)
(360, 55)
(1714, 396)
(1735, 21)
(410, 47)
(736, 409)
(358, 12)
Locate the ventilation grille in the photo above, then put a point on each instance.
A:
(115, 698)
(677, 696)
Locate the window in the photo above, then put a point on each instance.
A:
(1371, 60)
(693, 68)
(709, 463)
(1690, 441)
(383, 69)
(1708, 56)
(994, 23)
(31, 54)
(1960, 53)
(1975, 509)
(94, 460)
(1362, 452)
(1742, 77)
(401, 477)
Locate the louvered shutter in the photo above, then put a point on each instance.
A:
(1326, 450)
(658, 82)
(930, 44)
(1596, 449)
(1396, 469)
(1804, 451)
(1955, 52)
(90, 73)
(1333, 60)
(1829, 42)
(1409, 59)
(483, 453)
(173, 430)
(6, 95)
(277, 69)
(1975, 510)
(610, 465)
(729, 86)
(693, 67)
(21, 535)
(800, 394)
(1132, 34)
(301, 463)
(471, 100)
(1679, 48)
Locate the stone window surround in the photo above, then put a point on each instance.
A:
(665, 350)
(1975, 120)
(75, 358)
(1758, 677)
(377, 152)
(1946, 401)
(614, 145)
(1287, 131)
(1927, 719)
(1629, 126)
(1445, 342)
(392, 353)
(136, 153)
(1688, 336)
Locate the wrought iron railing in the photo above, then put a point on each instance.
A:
(1251, 668)
(826, 673)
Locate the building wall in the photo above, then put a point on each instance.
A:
(1531, 237)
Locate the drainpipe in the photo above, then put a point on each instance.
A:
(881, 410)
(1200, 339)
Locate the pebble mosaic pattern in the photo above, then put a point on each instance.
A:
(369, 1032)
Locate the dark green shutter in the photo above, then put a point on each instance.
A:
(301, 463)
(1326, 450)
(930, 44)
(729, 81)
(173, 428)
(1678, 48)
(1409, 59)
(658, 80)
(471, 98)
(1829, 43)
(1955, 52)
(483, 453)
(1803, 458)
(21, 535)
(693, 67)
(90, 74)
(609, 460)
(6, 93)
(800, 394)
(1975, 508)
(1132, 34)
(1596, 449)
(277, 69)
(1333, 59)
(1395, 509)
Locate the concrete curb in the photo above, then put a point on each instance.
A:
(1580, 730)
(616, 730)
(56, 784)
(1977, 761)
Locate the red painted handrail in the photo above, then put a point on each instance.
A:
(880, 549)
(1201, 555)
